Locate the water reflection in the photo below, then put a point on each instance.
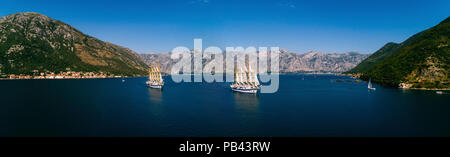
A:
(405, 91)
(247, 102)
(155, 95)
(247, 107)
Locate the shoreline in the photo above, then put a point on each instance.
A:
(67, 78)
(428, 89)
(422, 89)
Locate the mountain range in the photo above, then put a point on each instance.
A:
(290, 62)
(31, 42)
(421, 61)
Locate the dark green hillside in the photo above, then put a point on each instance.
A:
(34, 42)
(422, 61)
(376, 57)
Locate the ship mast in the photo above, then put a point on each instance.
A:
(242, 77)
(159, 73)
(255, 77)
(255, 80)
(153, 73)
(238, 77)
(252, 77)
(247, 78)
(235, 75)
(150, 74)
(155, 76)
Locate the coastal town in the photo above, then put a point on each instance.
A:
(61, 75)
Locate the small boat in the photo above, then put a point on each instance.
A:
(123, 80)
(245, 81)
(370, 85)
(155, 78)
(439, 92)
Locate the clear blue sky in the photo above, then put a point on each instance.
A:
(299, 26)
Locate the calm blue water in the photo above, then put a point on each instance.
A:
(305, 105)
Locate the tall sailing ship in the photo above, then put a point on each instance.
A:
(155, 79)
(245, 80)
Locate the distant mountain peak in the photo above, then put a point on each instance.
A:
(19, 17)
(353, 53)
(289, 62)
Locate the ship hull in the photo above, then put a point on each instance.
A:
(154, 86)
(249, 91)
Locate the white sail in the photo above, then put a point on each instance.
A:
(243, 77)
(155, 77)
(238, 77)
(254, 77)
(250, 77)
(235, 76)
(152, 74)
(159, 74)
(370, 85)
(246, 80)
(156, 74)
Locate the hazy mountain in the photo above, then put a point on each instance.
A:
(289, 62)
(422, 61)
(31, 41)
(319, 61)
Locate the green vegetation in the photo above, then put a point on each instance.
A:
(376, 57)
(31, 41)
(422, 60)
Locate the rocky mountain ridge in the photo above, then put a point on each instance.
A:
(289, 62)
(32, 42)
